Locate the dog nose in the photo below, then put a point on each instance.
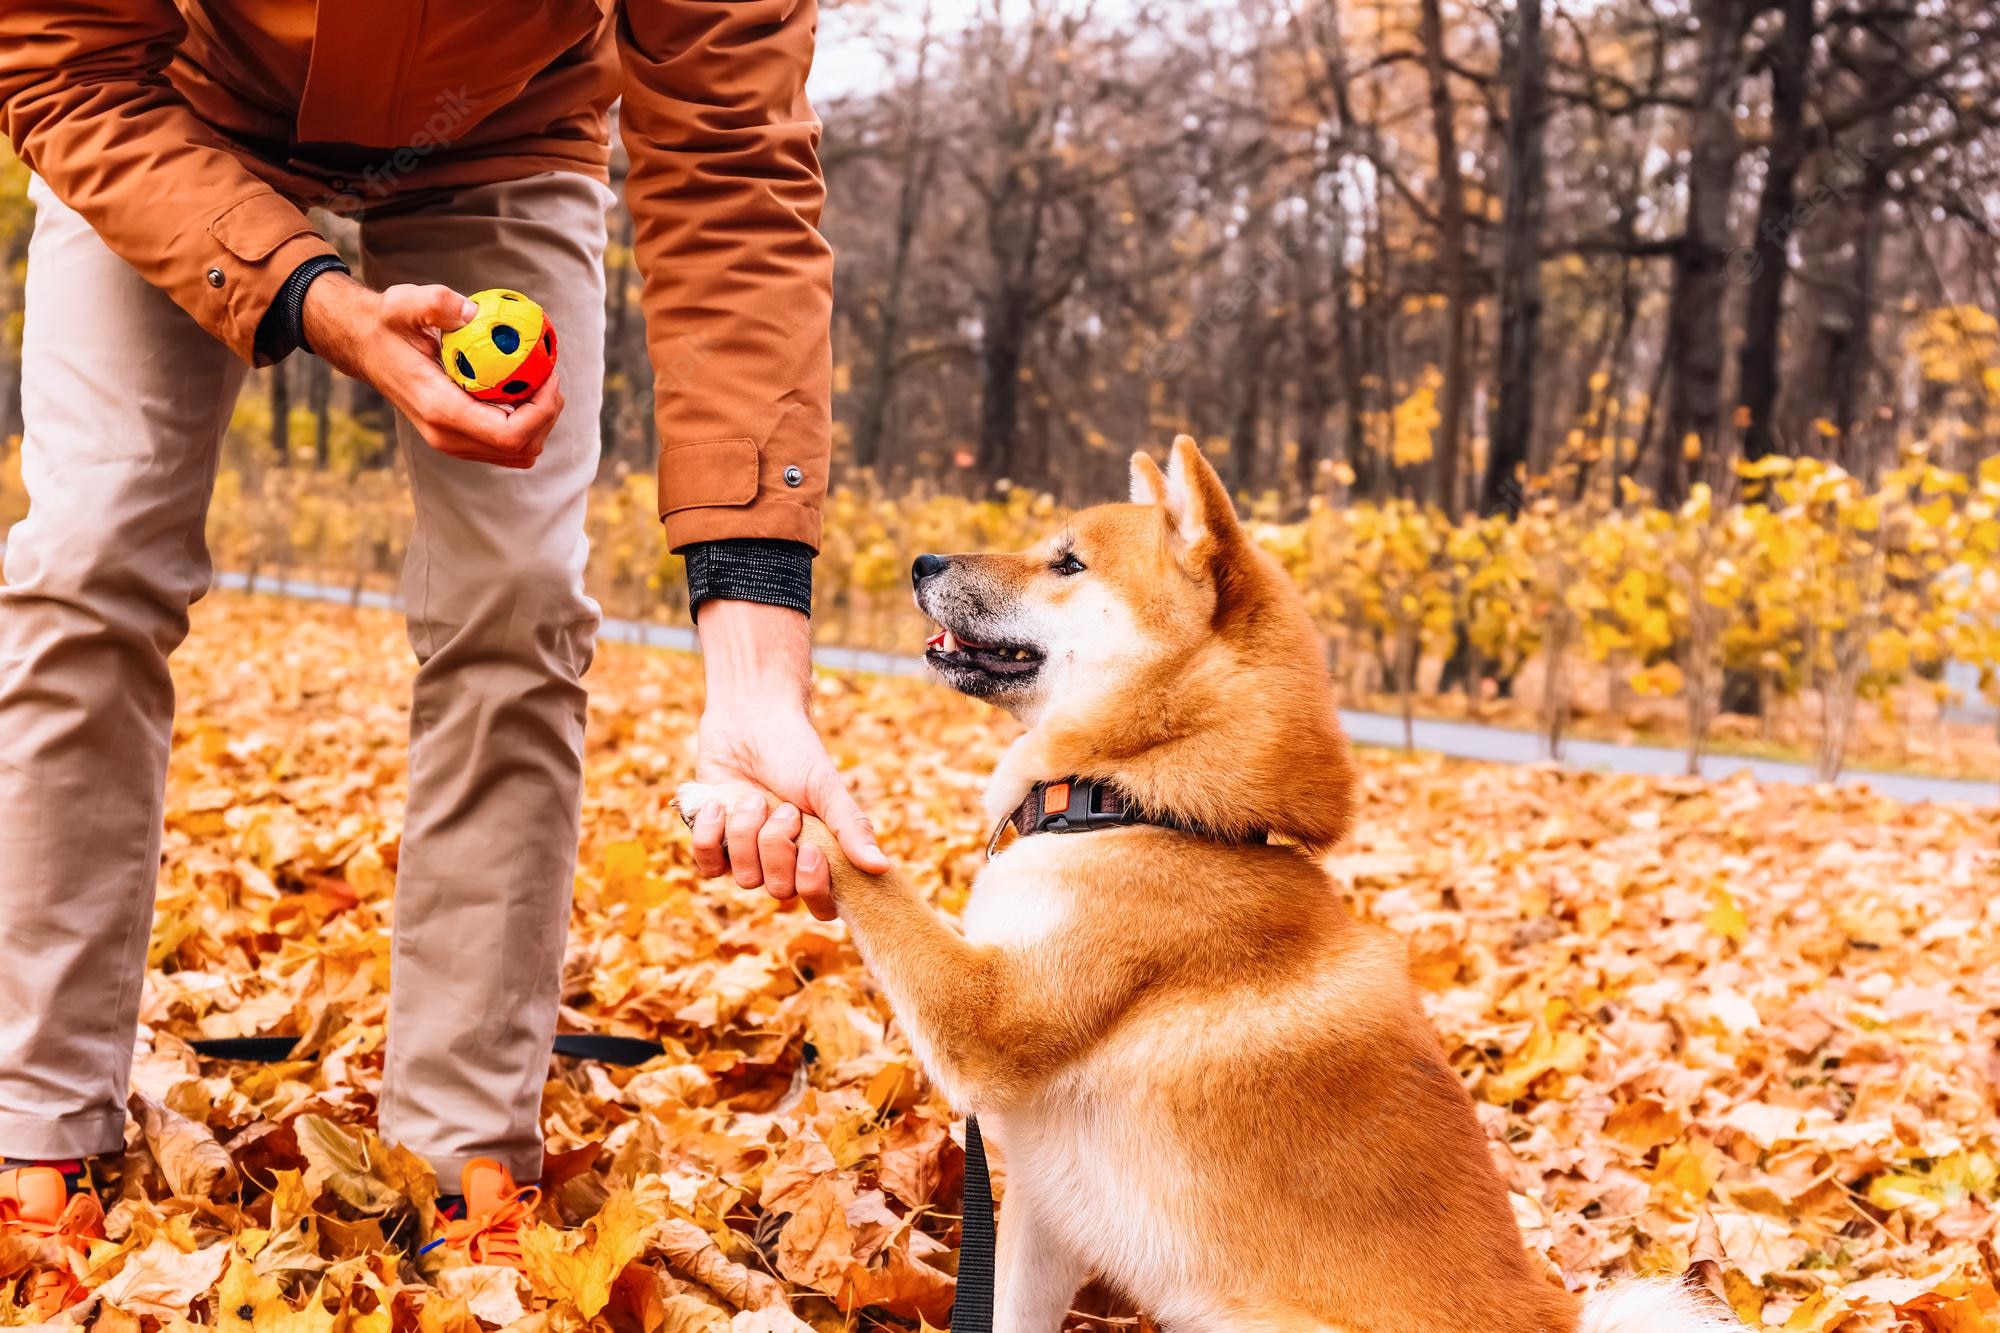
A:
(926, 567)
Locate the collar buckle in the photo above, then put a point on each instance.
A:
(1079, 805)
(1073, 805)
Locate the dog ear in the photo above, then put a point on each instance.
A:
(1196, 499)
(1149, 484)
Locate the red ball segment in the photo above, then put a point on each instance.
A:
(531, 374)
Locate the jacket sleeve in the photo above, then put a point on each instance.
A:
(725, 191)
(85, 100)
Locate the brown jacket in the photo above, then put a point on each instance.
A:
(191, 135)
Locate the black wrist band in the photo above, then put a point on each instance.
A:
(283, 328)
(750, 569)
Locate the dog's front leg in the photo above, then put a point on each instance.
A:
(962, 1005)
(968, 1008)
(1038, 1273)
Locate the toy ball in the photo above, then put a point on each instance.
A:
(505, 352)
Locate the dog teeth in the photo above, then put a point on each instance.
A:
(950, 643)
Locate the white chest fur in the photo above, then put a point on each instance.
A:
(1020, 899)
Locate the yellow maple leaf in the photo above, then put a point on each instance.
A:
(1939, 1185)
(579, 1266)
(247, 1301)
(1818, 1313)
(1725, 917)
(1548, 1050)
(1643, 1125)
(1687, 1170)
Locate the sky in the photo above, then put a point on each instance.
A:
(851, 58)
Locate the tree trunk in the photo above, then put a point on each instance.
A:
(1700, 289)
(1770, 270)
(1513, 421)
(319, 395)
(919, 161)
(1451, 243)
(281, 413)
(1609, 422)
(1315, 402)
(1851, 344)
(1348, 339)
(1001, 357)
(1846, 336)
(1767, 267)
(1246, 407)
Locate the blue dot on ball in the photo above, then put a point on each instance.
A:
(513, 387)
(507, 339)
(464, 366)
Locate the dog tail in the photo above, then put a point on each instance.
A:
(1656, 1307)
(1694, 1304)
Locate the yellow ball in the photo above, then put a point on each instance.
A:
(503, 353)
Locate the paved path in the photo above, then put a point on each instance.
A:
(1460, 739)
(1500, 745)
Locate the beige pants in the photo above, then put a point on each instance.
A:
(125, 401)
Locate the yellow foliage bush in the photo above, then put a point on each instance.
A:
(1807, 581)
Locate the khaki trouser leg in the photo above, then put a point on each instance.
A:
(125, 400)
(504, 633)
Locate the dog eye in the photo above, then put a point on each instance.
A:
(1068, 565)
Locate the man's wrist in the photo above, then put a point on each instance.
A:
(755, 656)
(282, 330)
(326, 314)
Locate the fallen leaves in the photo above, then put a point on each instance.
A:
(578, 1266)
(1774, 1006)
(194, 1164)
(163, 1280)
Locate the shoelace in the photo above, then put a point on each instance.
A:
(493, 1237)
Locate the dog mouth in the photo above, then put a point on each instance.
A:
(981, 668)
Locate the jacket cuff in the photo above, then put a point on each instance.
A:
(282, 331)
(261, 241)
(750, 569)
(716, 489)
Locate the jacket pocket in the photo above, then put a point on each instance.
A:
(706, 473)
(252, 228)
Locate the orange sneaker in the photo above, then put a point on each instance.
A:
(489, 1231)
(39, 1203)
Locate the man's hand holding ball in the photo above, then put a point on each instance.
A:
(391, 339)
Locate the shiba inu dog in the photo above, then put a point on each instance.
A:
(1211, 1086)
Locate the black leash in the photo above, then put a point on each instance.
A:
(577, 1045)
(972, 1307)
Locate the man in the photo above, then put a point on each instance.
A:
(176, 147)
